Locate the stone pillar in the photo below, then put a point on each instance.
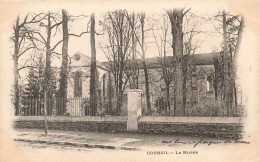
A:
(134, 106)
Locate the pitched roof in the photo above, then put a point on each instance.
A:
(80, 59)
(155, 62)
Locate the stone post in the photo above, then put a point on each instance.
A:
(134, 106)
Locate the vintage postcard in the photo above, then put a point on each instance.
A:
(129, 81)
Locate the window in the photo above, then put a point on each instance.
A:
(78, 84)
(209, 84)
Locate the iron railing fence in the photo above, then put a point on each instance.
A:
(204, 106)
(67, 107)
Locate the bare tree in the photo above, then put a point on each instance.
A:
(93, 97)
(50, 22)
(64, 65)
(189, 48)
(176, 19)
(231, 28)
(225, 63)
(133, 66)
(50, 26)
(235, 55)
(232, 33)
(118, 51)
(166, 63)
(140, 39)
(21, 47)
(143, 50)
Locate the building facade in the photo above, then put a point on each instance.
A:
(199, 88)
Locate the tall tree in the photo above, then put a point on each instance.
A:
(176, 19)
(146, 77)
(64, 66)
(93, 96)
(189, 48)
(47, 72)
(21, 47)
(109, 93)
(118, 51)
(142, 54)
(15, 57)
(231, 28)
(235, 53)
(133, 66)
(227, 93)
(166, 63)
(232, 32)
(140, 39)
(50, 22)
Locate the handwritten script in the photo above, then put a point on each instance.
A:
(204, 142)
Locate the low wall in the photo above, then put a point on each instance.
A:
(219, 127)
(104, 124)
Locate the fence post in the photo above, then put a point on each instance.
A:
(134, 108)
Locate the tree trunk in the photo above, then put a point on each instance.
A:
(16, 87)
(109, 93)
(104, 92)
(235, 97)
(146, 77)
(168, 97)
(185, 75)
(225, 68)
(216, 77)
(93, 101)
(119, 93)
(134, 64)
(48, 64)
(15, 57)
(234, 63)
(176, 19)
(147, 89)
(47, 77)
(231, 84)
(45, 113)
(64, 66)
(121, 66)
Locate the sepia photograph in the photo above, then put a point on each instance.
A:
(129, 81)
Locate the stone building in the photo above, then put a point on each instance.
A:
(79, 83)
(199, 84)
(199, 81)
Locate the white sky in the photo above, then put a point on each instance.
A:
(208, 37)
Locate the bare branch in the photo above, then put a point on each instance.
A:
(25, 51)
(186, 11)
(79, 35)
(56, 25)
(56, 45)
(27, 67)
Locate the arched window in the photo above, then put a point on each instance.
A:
(78, 84)
(209, 87)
